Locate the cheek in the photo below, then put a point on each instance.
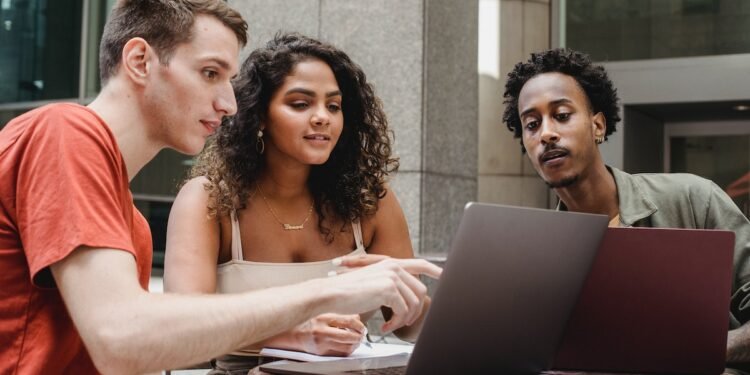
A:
(528, 142)
(337, 126)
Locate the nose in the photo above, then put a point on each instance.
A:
(320, 116)
(549, 132)
(225, 101)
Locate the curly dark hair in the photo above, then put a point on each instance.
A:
(592, 78)
(349, 184)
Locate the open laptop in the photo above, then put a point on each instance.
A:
(510, 282)
(656, 301)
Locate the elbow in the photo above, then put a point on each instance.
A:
(113, 350)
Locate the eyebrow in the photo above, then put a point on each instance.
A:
(554, 103)
(221, 63)
(299, 90)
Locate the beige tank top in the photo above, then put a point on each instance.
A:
(239, 275)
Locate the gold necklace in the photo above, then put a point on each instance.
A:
(285, 225)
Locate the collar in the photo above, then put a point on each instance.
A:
(634, 204)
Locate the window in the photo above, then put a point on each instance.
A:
(49, 51)
(647, 29)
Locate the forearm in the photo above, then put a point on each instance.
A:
(738, 344)
(127, 330)
(154, 332)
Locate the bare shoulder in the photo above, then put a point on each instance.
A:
(195, 187)
(194, 195)
(388, 205)
(387, 232)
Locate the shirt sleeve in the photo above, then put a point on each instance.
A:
(69, 191)
(722, 213)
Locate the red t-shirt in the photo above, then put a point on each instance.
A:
(63, 185)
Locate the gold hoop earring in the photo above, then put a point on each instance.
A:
(260, 146)
(599, 140)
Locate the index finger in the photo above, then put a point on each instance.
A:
(350, 322)
(420, 267)
(359, 260)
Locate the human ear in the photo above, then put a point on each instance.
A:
(599, 124)
(136, 56)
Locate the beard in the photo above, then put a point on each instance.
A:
(563, 183)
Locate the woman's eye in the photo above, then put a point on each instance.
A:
(562, 116)
(334, 107)
(299, 105)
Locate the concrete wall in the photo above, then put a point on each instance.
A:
(505, 174)
(420, 55)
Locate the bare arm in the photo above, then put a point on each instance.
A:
(391, 238)
(738, 345)
(128, 330)
(193, 241)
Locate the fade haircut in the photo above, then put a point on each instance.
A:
(164, 24)
(593, 79)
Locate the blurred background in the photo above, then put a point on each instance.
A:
(682, 69)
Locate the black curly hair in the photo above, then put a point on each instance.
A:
(349, 184)
(592, 78)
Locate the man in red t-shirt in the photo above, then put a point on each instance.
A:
(75, 254)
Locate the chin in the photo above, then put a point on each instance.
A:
(563, 182)
(191, 149)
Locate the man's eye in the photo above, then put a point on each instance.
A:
(531, 125)
(210, 74)
(562, 116)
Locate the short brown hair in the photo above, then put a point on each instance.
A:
(164, 24)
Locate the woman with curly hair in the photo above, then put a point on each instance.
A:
(296, 179)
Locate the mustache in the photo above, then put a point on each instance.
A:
(552, 150)
(554, 147)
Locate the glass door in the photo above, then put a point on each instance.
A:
(718, 151)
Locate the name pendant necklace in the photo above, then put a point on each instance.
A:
(286, 226)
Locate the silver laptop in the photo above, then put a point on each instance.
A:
(509, 285)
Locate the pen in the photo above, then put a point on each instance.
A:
(366, 339)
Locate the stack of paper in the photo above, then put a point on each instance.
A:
(365, 350)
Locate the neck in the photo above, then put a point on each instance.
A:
(284, 181)
(595, 193)
(118, 106)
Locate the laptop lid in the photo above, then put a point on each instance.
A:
(510, 282)
(656, 300)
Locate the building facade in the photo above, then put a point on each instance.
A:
(682, 69)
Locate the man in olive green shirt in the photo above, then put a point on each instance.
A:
(562, 107)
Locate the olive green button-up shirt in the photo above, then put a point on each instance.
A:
(681, 200)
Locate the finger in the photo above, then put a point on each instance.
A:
(420, 267)
(419, 291)
(350, 322)
(354, 261)
(413, 292)
(339, 335)
(399, 305)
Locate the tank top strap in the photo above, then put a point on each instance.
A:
(236, 239)
(357, 229)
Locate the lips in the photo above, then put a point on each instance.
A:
(318, 137)
(552, 155)
(212, 125)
